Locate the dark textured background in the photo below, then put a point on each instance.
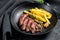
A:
(8, 5)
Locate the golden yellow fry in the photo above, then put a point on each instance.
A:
(46, 24)
(47, 19)
(40, 18)
(47, 13)
(36, 12)
(49, 16)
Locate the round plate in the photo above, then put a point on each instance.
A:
(18, 11)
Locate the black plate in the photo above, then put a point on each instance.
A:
(18, 11)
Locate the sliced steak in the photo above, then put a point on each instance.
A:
(22, 18)
(25, 24)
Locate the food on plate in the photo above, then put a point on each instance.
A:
(29, 24)
(35, 16)
(22, 18)
(46, 24)
(41, 14)
(25, 24)
(34, 20)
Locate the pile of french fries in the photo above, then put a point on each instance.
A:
(41, 15)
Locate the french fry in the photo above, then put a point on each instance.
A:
(46, 24)
(49, 15)
(47, 19)
(40, 18)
